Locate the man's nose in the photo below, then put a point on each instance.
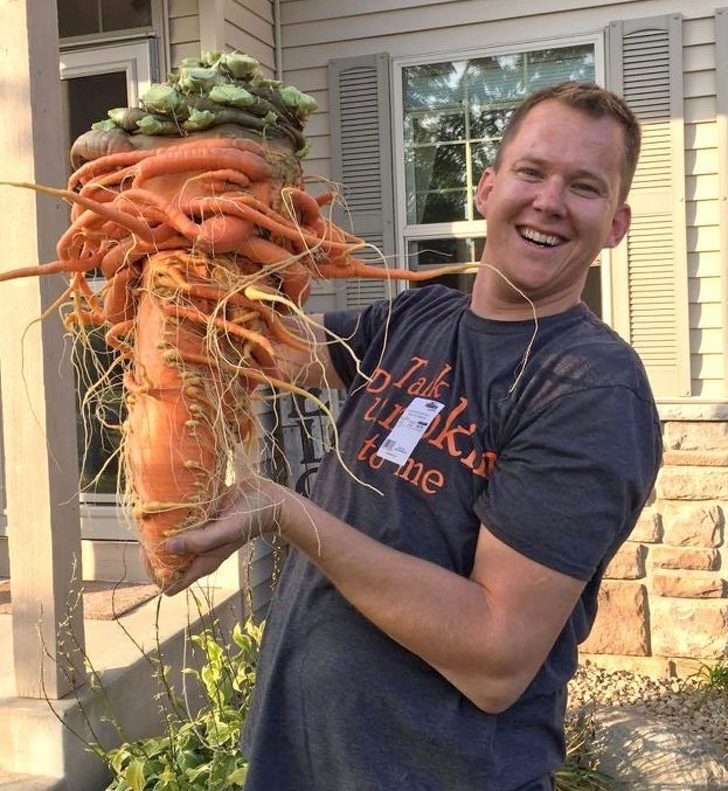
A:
(550, 196)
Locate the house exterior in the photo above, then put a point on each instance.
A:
(412, 97)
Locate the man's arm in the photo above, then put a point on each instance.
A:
(488, 635)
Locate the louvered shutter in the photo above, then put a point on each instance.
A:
(361, 163)
(650, 269)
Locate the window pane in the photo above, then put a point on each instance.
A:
(423, 253)
(592, 294)
(431, 253)
(99, 414)
(436, 184)
(85, 17)
(432, 85)
(78, 17)
(550, 66)
(87, 99)
(497, 82)
(116, 15)
(433, 127)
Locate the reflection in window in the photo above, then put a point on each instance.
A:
(454, 116)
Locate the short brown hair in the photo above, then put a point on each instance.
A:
(596, 102)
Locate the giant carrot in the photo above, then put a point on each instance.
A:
(206, 237)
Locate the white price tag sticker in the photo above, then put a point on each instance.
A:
(409, 429)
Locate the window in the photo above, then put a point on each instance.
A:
(453, 116)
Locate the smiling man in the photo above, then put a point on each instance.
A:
(499, 449)
(553, 199)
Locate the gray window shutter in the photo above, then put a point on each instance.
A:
(361, 164)
(650, 269)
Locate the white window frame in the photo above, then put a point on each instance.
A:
(406, 233)
(137, 59)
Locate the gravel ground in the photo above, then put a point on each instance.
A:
(680, 702)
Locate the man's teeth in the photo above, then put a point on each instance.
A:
(540, 238)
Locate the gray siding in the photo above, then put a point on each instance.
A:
(250, 27)
(704, 209)
(184, 30)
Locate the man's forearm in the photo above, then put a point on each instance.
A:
(444, 618)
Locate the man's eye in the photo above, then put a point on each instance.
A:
(531, 173)
(584, 188)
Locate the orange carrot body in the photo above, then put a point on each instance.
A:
(170, 484)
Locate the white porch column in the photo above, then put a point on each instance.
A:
(38, 414)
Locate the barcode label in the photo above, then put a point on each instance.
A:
(409, 429)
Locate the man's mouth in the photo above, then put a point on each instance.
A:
(539, 238)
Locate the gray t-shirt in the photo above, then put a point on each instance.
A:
(557, 460)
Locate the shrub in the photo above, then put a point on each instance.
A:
(200, 750)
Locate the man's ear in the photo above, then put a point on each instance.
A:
(485, 187)
(620, 225)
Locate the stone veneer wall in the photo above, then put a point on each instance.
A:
(664, 600)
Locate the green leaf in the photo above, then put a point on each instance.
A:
(239, 65)
(104, 126)
(134, 775)
(198, 120)
(237, 777)
(161, 99)
(193, 79)
(301, 102)
(231, 95)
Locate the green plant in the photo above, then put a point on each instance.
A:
(580, 771)
(711, 680)
(200, 750)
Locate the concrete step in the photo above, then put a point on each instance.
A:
(16, 782)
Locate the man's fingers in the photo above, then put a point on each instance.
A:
(199, 541)
(198, 568)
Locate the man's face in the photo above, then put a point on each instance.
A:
(551, 207)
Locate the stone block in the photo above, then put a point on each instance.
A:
(689, 628)
(696, 435)
(697, 458)
(688, 586)
(621, 626)
(628, 563)
(648, 529)
(693, 483)
(691, 558)
(693, 524)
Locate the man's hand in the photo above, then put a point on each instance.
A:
(252, 513)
